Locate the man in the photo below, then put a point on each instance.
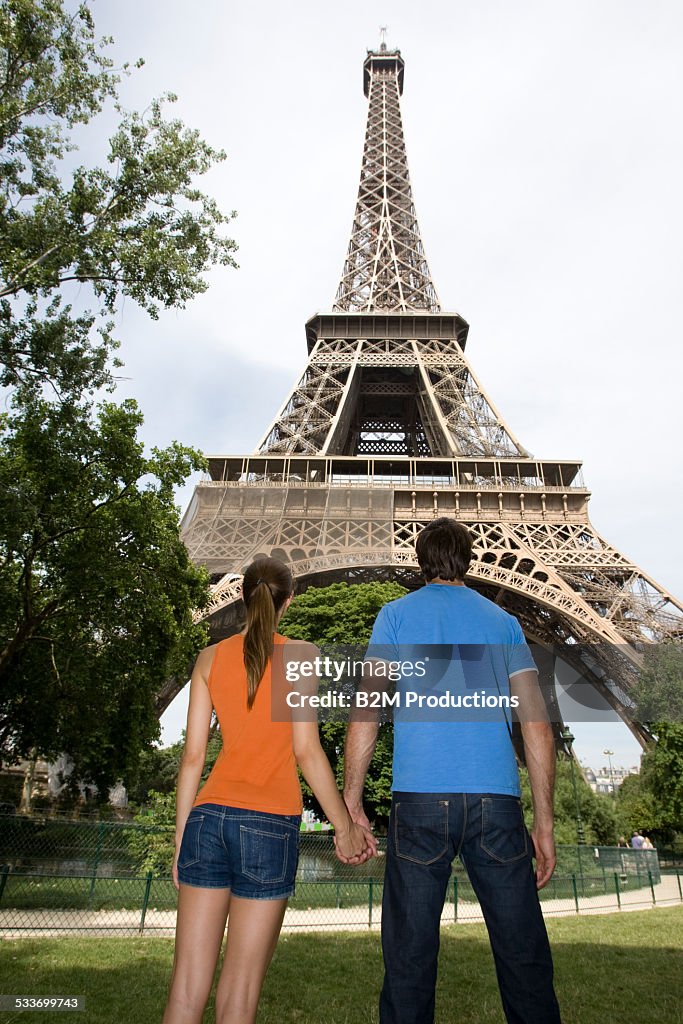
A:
(456, 787)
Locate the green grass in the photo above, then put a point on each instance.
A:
(608, 969)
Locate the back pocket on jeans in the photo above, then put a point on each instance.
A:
(503, 832)
(264, 855)
(421, 830)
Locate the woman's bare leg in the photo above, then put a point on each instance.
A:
(253, 931)
(200, 925)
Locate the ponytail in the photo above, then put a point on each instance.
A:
(258, 643)
(266, 586)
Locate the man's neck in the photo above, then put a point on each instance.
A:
(448, 583)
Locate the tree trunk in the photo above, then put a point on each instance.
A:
(27, 790)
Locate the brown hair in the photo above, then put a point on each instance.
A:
(266, 586)
(444, 550)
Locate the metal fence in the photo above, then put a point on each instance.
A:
(70, 877)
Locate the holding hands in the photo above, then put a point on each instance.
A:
(354, 844)
(359, 830)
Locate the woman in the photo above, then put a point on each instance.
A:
(237, 839)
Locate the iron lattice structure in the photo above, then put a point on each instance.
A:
(389, 427)
(385, 266)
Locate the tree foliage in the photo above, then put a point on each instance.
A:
(154, 846)
(339, 614)
(137, 227)
(96, 590)
(635, 807)
(158, 771)
(597, 811)
(658, 693)
(662, 772)
(654, 801)
(155, 792)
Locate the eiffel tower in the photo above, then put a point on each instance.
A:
(389, 427)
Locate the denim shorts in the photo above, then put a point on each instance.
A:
(253, 853)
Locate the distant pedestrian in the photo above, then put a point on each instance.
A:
(637, 841)
(647, 843)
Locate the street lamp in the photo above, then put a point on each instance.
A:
(610, 755)
(568, 740)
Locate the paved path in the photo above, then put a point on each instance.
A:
(161, 923)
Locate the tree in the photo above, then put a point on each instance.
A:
(157, 772)
(96, 590)
(154, 845)
(658, 805)
(336, 615)
(342, 613)
(658, 693)
(603, 820)
(139, 227)
(662, 772)
(635, 806)
(597, 811)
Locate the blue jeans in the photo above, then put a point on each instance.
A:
(427, 831)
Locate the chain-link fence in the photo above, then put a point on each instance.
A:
(68, 877)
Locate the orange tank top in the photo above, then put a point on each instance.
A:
(256, 768)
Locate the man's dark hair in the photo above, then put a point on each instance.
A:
(444, 550)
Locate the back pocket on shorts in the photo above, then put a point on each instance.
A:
(264, 854)
(189, 847)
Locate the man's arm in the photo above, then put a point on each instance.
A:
(361, 739)
(539, 753)
(361, 735)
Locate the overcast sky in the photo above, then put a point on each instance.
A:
(545, 151)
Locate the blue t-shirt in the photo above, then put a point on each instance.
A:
(472, 647)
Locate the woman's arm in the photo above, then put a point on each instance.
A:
(194, 751)
(352, 842)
